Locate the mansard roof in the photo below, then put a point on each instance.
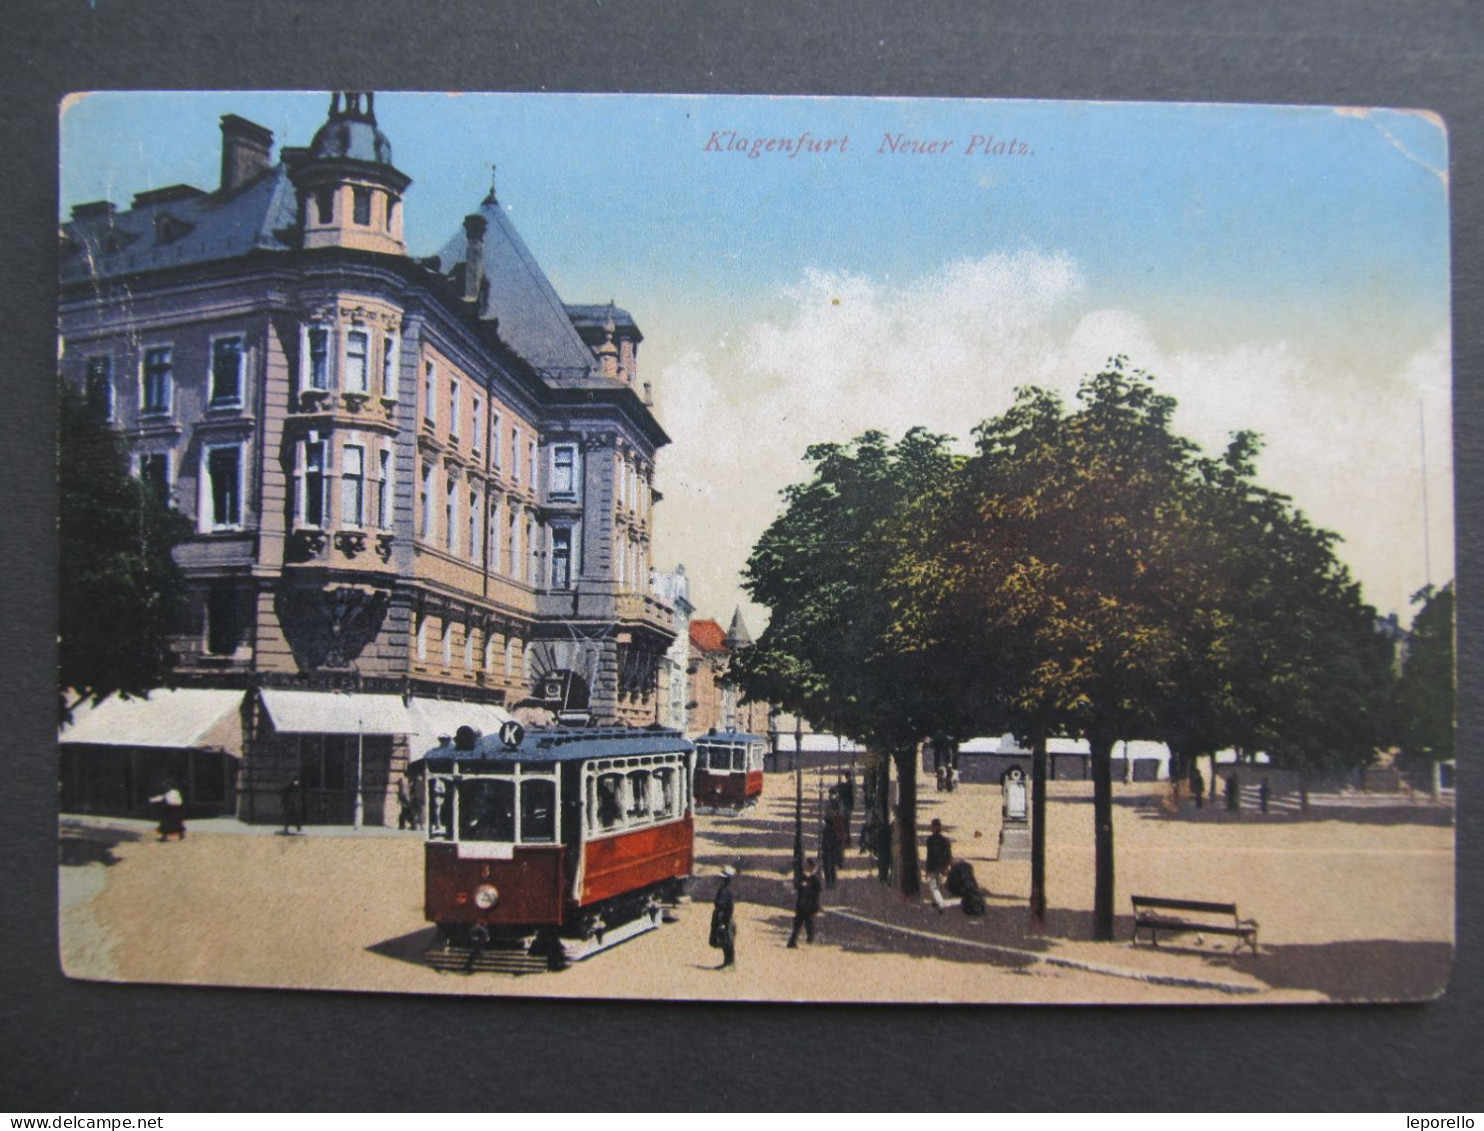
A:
(178, 227)
(531, 316)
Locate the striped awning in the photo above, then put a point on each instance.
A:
(175, 718)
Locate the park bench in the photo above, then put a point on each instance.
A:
(1153, 914)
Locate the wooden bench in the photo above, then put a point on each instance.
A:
(1151, 914)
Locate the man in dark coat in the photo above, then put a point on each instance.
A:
(806, 903)
(292, 796)
(939, 859)
(723, 920)
(829, 851)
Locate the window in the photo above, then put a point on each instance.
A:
(389, 367)
(664, 792)
(512, 543)
(224, 487)
(561, 557)
(154, 472)
(495, 454)
(99, 387)
(509, 656)
(537, 810)
(515, 452)
(314, 483)
(317, 341)
(489, 652)
(474, 512)
(430, 393)
(530, 560)
(226, 372)
(477, 425)
(494, 546)
(357, 378)
(360, 204)
(384, 491)
(486, 809)
(447, 642)
(324, 203)
(425, 503)
(422, 637)
(468, 647)
(453, 406)
(158, 379)
(564, 470)
(638, 795)
(353, 486)
(531, 462)
(391, 212)
(610, 801)
(223, 625)
(450, 515)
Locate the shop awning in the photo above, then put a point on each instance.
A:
(439, 718)
(333, 712)
(177, 718)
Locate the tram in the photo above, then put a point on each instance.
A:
(729, 770)
(556, 842)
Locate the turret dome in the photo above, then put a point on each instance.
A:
(350, 133)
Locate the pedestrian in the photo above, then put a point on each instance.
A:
(939, 860)
(479, 938)
(847, 799)
(1233, 792)
(724, 921)
(963, 883)
(1198, 787)
(829, 851)
(292, 796)
(879, 836)
(419, 799)
(406, 819)
(806, 903)
(172, 813)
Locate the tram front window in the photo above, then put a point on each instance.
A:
(665, 792)
(610, 802)
(537, 810)
(739, 758)
(638, 794)
(487, 809)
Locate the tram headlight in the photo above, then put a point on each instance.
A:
(486, 896)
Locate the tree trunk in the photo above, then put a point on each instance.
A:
(1435, 783)
(1102, 816)
(911, 877)
(1038, 832)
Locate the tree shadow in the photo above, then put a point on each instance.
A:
(1367, 970)
(79, 845)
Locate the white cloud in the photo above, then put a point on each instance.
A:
(848, 353)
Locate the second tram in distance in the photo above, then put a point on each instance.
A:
(729, 770)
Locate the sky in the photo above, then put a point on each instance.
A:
(1281, 269)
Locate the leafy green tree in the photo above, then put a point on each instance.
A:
(827, 653)
(1065, 557)
(121, 593)
(1426, 692)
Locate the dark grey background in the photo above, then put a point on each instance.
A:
(78, 1046)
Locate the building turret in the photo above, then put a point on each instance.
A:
(350, 193)
(737, 634)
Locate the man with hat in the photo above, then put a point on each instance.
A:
(806, 902)
(723, 922)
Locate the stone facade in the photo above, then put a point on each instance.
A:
(427, 476)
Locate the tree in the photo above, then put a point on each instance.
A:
(1426, 692)
(120, 591)
(1062, 578)
(827, 653)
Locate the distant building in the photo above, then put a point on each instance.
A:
(674, 679)
(411, 479)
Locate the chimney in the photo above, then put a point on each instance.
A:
(94, 210)
(474, 229)
(245, 149)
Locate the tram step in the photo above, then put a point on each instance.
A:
(492, 961)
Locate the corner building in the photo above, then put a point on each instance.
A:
(425, 482)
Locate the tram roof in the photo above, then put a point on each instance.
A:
(567, 744)
(728, 737)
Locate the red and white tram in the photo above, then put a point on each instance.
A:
(729, 770)
(556, 842)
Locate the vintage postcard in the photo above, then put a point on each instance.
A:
(753, 548)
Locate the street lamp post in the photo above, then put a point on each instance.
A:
(358, 803)
(798, 798)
